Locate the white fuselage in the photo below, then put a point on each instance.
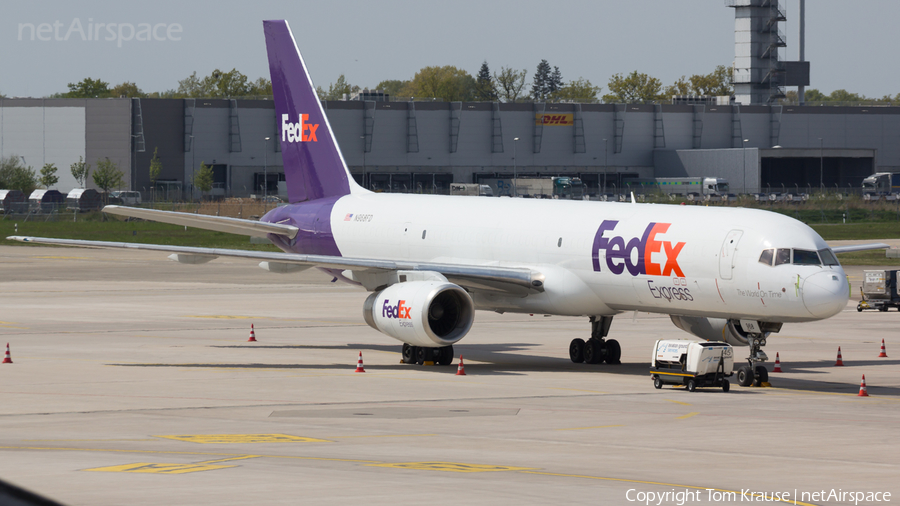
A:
(704, 263)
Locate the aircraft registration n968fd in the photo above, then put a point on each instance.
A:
(430, 261)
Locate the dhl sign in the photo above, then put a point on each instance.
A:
(554, 119)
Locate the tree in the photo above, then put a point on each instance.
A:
(14, 175)
(395, 88)
(540, 86)
(681, 87)
(127, 89)
(220, 84)
(204, 178)
(510, 83)
(48, 175)
(716, 83)
(339, 88)
(155, 166)
(814, 95)
(88, 88)
(580, 90)
(262, 87)
(80, 171)
(485, 89)
(447, 83)
(107, 175)
(556, 81)
(633, 88)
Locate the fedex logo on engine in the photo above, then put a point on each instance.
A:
(619, 253)
(400, 311)
(298, 132)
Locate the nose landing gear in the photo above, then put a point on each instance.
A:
(754, 373)
(597, 349)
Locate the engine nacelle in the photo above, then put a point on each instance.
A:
(421, 313)
(714, 329)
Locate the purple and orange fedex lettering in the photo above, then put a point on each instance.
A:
(399, 311)
(298, 132)
(619, 254)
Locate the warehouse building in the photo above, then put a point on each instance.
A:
(424, 146)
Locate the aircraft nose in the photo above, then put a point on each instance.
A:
(825, 293)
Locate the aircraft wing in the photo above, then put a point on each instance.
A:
(516, 280)
(217, 223)
(859, 247)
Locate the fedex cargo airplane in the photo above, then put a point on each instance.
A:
(430, 261)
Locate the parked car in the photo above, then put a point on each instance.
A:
(125, 198)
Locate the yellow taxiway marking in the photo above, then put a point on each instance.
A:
(624, 480)
(228, 456)
(679, 402)
(388, 435)
(452, 467)
(11, 327)
(578, 390)
(597, 427)
(687, 415)
(243, 438)
(157, 468)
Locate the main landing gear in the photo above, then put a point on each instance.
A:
(420, 355)
(597, 349)
(754, 373)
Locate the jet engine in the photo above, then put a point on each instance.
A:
(421, 313)
(714, 329)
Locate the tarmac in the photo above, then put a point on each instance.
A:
(132, 382)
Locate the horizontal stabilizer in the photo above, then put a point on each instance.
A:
(206, 222)
(859, 247)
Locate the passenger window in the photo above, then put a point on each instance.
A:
(806, 257)
(783, 256)
(766, 256)
(828, 257)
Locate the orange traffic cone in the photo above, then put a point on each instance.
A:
(252, 335)
(862, 388)
(840, 361)
(777, 363)
(359, 364)
(6, 358)
(883, 352)
(461, 370)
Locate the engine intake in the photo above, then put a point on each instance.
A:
(421, 313)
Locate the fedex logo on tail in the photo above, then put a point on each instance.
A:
(619, 253)
(298, 132)
(400, 311)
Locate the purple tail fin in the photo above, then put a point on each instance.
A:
(313, 165)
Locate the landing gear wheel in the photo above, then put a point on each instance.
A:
(657, 383)
(691, 385)
(576, 350)
(445, 355)
(422, 354)
(726, 386)
(408, 353)
(762, 375)
(745, 376)
(613, 352)
(594, 353)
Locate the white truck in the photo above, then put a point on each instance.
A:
(477, 190)
(706, 188)
(693, 364)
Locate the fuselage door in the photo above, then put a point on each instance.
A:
(726, 253)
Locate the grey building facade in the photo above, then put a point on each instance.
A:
(423, 146)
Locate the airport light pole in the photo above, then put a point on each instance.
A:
(515, 169)
(266, 171)
(605, 163)
(744, 185)
(821, 163)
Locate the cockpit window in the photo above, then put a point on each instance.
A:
(783, 256)
(766, 256)
(828, 257)
(806, 257)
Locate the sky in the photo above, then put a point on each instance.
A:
(849, 46)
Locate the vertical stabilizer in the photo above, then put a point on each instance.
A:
(313, 165)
